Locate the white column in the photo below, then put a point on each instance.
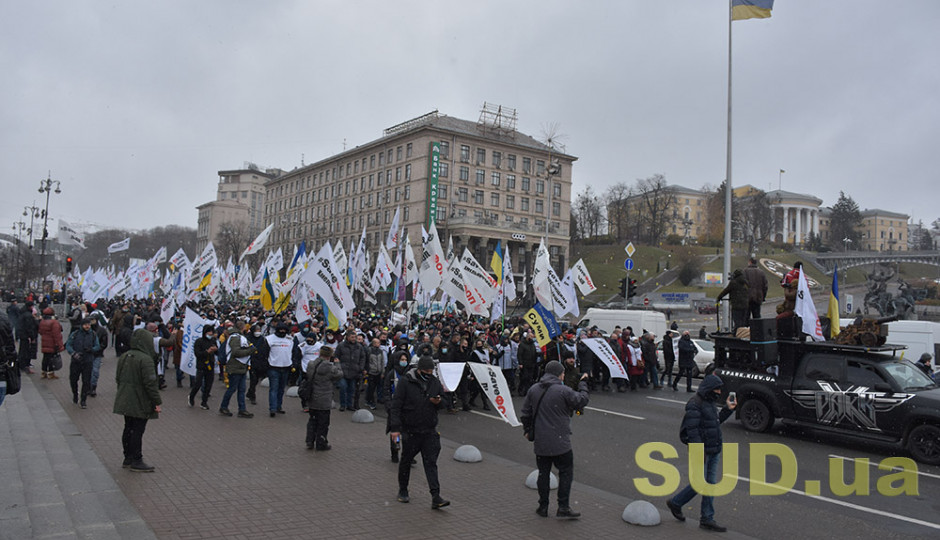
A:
(798, 239)
(786, 224)
(816, 222)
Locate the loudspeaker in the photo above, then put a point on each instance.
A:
(763, 330)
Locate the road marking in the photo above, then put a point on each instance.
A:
(895, 469)
(666, 399)
(844, 503)
(615, 413)
(487, 415)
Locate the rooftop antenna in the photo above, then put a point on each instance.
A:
(301, 159)
(344, 144)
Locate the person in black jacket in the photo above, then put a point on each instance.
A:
(28, 334)
(413, 418)
(687, 352)
(259, 361)
(702, 424)
(7, 354)
(204, 349)
(669, 358)
(528, 362)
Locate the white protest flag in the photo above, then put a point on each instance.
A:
(256, 283)
(450, 254)
(259, 242)
(431, 271)
(158, 257)
(392, 240)
(243, 282)
(340, 258)
(192, 330)
(397, 267)
(68, 236)
(449, 373)
(302, 310)
(567, 287)
(497, 391)
(497, 309)
(546, 284)
(206, 260)
(358, 261)
(179, 260)
(453, 283)
(381, 277)
(273, 263)
(807, 310)
(322, 278)
(368, 291)
(582, 278)
(167, 308)
(386, 260)
(411, 266)
(123, 245)
(475, 276)
(509, 284)
(607, 355)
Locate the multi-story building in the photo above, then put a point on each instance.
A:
(239, 200)
(492, 184)
(882, 230)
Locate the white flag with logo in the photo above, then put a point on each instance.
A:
(167, 308)
(582, 278)
(192, 330)
(68, 236)
(259, 242)
(807, 310)
(606, 353)
(567, 288)
(123, 245)
(431, 271)
(179, 260)
(392, 240)
(509, 284)
(497, 391)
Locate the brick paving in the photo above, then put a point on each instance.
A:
(234, 478)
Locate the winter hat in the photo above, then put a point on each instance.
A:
(554, 368)
(326, 351)
(425, 363)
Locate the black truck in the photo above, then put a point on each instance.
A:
(870, 393)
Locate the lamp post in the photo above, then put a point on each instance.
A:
(45, 186)
(32, 212)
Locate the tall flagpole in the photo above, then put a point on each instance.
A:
(727, 255)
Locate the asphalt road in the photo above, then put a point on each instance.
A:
(607, 436)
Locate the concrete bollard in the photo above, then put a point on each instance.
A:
(641, 513)
(468, 454)
(532, 480)
(363, 416)
(292, 391)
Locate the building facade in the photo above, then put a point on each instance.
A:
(494, 184)
(882, 230)
(239, 200)
(796, 216)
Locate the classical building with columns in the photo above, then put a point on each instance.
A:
(796, 216)
(482, 182)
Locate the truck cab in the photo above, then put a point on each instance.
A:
(869, 393)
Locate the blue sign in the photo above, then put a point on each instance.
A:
(238, 268)
(628, 264)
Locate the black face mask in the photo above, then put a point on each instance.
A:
(712, 396)
(280, 333)
(424, 376)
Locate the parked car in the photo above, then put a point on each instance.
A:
(704, 359)
(705, 307)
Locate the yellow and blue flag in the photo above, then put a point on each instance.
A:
(301, 252)
(497, 263)
(833, 311)
(267, 292)
(332, 323)
(751, 9)
(206, 280)
(543, 323)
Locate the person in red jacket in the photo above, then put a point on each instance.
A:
(50, 330)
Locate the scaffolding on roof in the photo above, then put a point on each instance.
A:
(497, 119)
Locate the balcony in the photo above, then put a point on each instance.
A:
(509, 227)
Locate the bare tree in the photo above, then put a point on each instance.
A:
(755, 219)
(590, 213)
(714, 226)
(655, 206)
(618, 210)
(232, 239)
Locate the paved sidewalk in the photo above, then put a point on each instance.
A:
(219, 477)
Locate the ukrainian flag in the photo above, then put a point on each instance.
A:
(301, 251)
(497, 263)
(267, 292)
(283, 301)
(206, 280)
(332, 323)
(751, 9)
(833, 311)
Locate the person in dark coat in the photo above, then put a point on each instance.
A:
(352, 358)
(669, 358)
(137, 397)
(687, 352)
(702, 424)
(82, 346)
(547, 411)
(27, 333)
(204, 349)
(322, 373)
(756, 288)
(7, 354)
(397, 366)
(259, 361)
(737, 292)
(50, 330)
(528, 362)
(413, 418)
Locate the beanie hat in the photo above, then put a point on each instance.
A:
(326, 351)
(425, 363)
(554, 368)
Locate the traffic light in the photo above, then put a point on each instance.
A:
(68, 265)
(623, 287)
(631, 288)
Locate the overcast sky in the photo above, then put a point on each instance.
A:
(135, 106)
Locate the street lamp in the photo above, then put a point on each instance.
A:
(45, 186)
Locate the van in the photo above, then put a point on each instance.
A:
(639, 320)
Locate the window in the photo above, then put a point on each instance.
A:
(524, 204)
(356, 167)
(442, 192)
(509, 219)
(462, 212)
(497, 159)
(481, 176)
(462, 194)
(444, 171)
(388, 157)
(824, 368)
(526, 165)
(539, 206)
(540, 187)
(406, 214)
(510, 202)
(381, 158)
(397, 194)
(510, 181)
(859, 374)
(556, 189)
(477, 197)
(408, 171)
(556, 209)
(523, 221)
(407, 192)
(525, 184)
(481, 156)
(398, 154)
(408, 150)
(465, 173)
(464, 153)
(495, 178)
(511, 161)
(397, 174)
(478, 214)
(372, 161)
(348, 168)
(445, 150)
(494, 199)
(539, 167)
